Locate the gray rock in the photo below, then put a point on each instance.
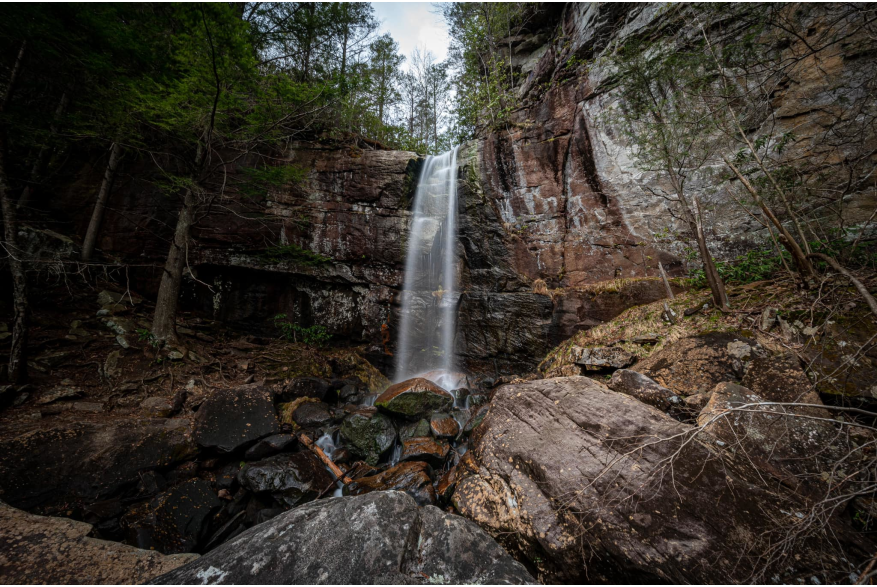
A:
(292, 479)
(270, 446)
(380, 538)
(642, 388)
(599, 358)
(369, 434)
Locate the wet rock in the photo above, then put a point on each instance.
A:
(414, 398)
(174, 521)
(382, 538)
(305, 387)
(230, 419)
(426, 449)
(600, 358)
(59, 393)
(414, 429)
(553, 446)
(88, 461)
(312, 415)
(696, 364)
(443, 425)
(796, 449)
(157, 407)
(413, 478)
(642, 388)
(477, 399)
(368, 433)
(291, 479)
(476, 418)
(444, 487)
(270, 446)
(40, 549)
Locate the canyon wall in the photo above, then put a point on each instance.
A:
(559, 230)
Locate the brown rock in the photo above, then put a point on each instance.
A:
(424, 448)
(780, 378)
(642, 388)
(414, 398)
(444, 426)
(40, 549)
(157, 407)
(412, 478)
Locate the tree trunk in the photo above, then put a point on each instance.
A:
(717, 286)
(18, 351)
(805, 268)
(164, 323)
(103, 195)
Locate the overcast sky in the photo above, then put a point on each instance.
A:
(414, 24)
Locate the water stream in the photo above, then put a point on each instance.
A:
(429, 297)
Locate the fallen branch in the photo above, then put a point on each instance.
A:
(872, 303)
(339, 474)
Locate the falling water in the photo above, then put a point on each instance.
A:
(429, 298)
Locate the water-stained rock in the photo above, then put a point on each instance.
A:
(413, 478)
(443, 425)
(381, 538)
(642, 388)
(292, 479)
(88, 461)
(369, 434)
(312, 414)
(176, 520)
(412, 429)
(414, 398)
(605, 488)
(233, 418)
(41, 549)
(424, 448)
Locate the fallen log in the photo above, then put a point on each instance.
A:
(339, 474)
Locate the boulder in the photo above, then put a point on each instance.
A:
(88, 461)
(601, 358)
(175, 520)
(475, 418)
(291, 479)
(426, 449)
(696, 364)
(233, 418)
(40, 549)
(312, 414)
(270, 446)
(780, 378)
(413, 429)
(60, 392)
(604, 488)
(369, 434)
(443, 425)
(305, 387)
(414, 398)
(784, 440)
(412, 478)
(381, 538)
(644, 389)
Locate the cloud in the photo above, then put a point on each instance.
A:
(412, 25)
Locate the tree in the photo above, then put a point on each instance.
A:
(385, 63)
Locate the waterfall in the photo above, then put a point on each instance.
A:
(429, 297)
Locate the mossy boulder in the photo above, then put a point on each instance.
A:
(414, 398)
(369, 434)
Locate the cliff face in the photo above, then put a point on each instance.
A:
(558, 231)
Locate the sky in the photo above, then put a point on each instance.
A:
(414, 24)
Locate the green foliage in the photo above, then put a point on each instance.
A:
(315, 335)
(145, 335)
(752, 266)
(293, 253)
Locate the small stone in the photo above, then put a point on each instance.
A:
(444, 425)
(650, 338)
(120, 325)
(599, 358)
(59, 393)
(75, 324)
(102, 312)
(157, 407)
(175, 355)
(122, 342)
(768, 319)
(111, 368)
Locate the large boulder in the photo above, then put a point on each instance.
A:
(411, 477)
(381, 538)
(799, 446)
(602, 358)
(291, 479)
(176, 520)
(595, 486)
(40, 549)
(780, 378)
(415, 398)
(236, 417)
(87, 461)
(369, 434)
(696, 364)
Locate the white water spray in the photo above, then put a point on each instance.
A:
(429, 298)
